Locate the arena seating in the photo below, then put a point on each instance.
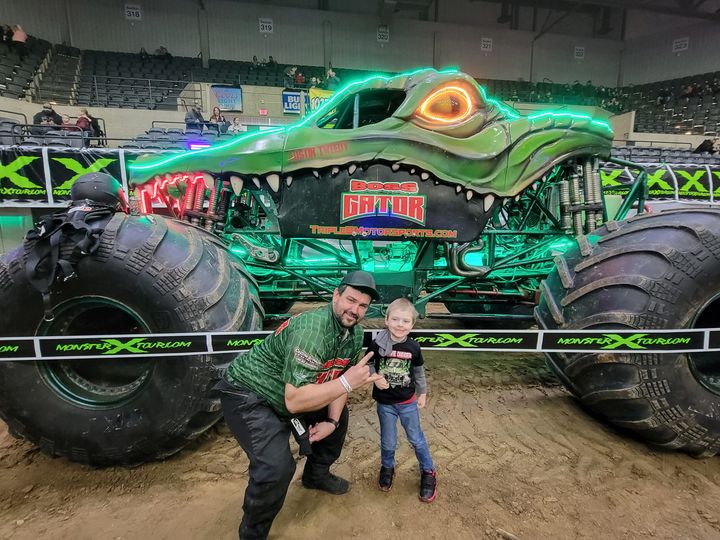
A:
(16, 76)
(142, 81)
(661, 108)
(644, 154)
(158, 138)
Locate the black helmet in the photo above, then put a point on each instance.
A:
(362, 281)
(100, 188)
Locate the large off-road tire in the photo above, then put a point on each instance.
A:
(651, 272)
(149, 275)
(277, 307)
(496, 315)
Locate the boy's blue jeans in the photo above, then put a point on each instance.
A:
(410, 419)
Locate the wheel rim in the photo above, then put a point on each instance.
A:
(95, 383)
(705, 366)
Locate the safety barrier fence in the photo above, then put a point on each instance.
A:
(49, 348)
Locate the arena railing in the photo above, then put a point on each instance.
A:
(122, 87)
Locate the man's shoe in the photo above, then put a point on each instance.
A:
(385, 479)
(329, 482)
(428, 486)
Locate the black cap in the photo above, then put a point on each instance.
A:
(362, 281)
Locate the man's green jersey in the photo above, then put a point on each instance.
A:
(310, 348)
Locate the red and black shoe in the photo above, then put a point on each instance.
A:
(428, 486)
(385, 480)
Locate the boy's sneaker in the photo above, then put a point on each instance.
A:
(428, 486)
(386, 478)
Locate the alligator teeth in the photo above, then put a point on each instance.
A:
(334, 171)
(273, 181)
(256, 181)
(316, 174)
(437, 183)
(488, 201)
(351, 169)
(535, 185)
(237, 184)
(395, 167)
(458, 188)
(505, 201)
(412, 171)
(209, 180)
(469, 194)
(288, 181)
(517, 198)
(424, 176)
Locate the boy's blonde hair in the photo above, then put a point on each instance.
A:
(404, 304)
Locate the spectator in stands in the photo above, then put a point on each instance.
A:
(217, 121)
(6, 34)
(689, 91)
(289, 76)
(162, 52)
(715, 86)
(271, 61)
(194, 118)
(313, 82)
(664, 96)
(705, 147)
(144, 54)
(19, 38)
(68, 124)
(300, 79)
(255, 63)
(236, 126)
(333, 81)
(94, 130)
(46, 117)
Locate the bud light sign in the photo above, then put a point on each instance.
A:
(291, 102)
(229, 98)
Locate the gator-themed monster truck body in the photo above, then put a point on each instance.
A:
(443, 193)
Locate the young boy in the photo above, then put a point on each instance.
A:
(399, 395)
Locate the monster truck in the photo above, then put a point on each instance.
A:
(443, 193)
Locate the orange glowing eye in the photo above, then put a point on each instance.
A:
(447, 105)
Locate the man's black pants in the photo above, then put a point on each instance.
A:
(264, 437)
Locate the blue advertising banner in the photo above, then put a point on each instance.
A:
(291, 102)
(229, 98)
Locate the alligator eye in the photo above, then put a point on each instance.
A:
(447, 105)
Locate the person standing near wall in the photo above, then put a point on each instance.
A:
(19, 38)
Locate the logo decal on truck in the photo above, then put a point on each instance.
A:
(392, 199)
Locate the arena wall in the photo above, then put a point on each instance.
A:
(316, 37)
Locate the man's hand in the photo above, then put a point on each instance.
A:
(320, 430)
(422, 398)
(359, 375)
(382, 384)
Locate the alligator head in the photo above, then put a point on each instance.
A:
(441, 125)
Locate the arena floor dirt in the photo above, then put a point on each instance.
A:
(516, 458)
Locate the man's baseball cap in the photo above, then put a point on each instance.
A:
(362, 281)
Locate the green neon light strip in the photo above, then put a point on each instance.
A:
(204, 150)
(509, 112)
(304, 121)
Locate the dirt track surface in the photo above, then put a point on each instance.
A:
(516, 458)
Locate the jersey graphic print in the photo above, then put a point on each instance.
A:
(332, 369)
(396, 368)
